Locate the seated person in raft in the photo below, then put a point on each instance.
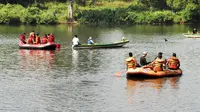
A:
(37, 39)
(44, 39)
(23, 38)
(31, 38)
(131, 61)
(143, 60)
(159, 64)
(173, 62)
(90, 41)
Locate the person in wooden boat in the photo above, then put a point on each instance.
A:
(51, 38)
(75, 41)
(23, 38)
(173, 62)
(44, 39)
(90, 41)
(159, 64)
(194, 31)
(37, 39)
(143, 60)
(131, 61)
(123, 39)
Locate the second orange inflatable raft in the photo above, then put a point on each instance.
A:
(148, 73)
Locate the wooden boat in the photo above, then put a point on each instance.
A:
(148, 73)
(189, 35)
(101, 45)
(48, 46)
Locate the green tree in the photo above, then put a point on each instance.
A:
(159, 4)
(177, 5)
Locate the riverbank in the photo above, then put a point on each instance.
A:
(118, 12)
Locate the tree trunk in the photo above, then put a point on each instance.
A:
(70, 12)
(93, 2)
(83, 2)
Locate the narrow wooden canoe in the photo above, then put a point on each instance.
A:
(148, 73)
(191, 35)
(48, 46)
(101, 45)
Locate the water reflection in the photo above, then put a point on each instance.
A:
(86, 57)
(134, 84)
(75, 58)
(36, 59)
(70, 28)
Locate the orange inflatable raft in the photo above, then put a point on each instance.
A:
(149, 73)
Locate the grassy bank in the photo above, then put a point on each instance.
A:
(102, 13)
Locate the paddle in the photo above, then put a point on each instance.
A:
(119, 74)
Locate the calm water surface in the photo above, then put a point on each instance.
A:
(67, 80)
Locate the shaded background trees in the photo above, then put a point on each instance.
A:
(100, 11)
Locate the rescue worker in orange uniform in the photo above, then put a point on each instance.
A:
(159, 64)
(173, 62)
(23, 38)
(131, 61)
(51, 38)
(37, 39)
(31, 38)
(44, 39)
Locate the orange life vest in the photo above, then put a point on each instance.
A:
(158, 64)
(51, 38)
(37, 40)
(23, 38)
(30, 40)
(44, 40)
(131, 62)
(173, 63)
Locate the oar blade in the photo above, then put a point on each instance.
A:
(118, 74)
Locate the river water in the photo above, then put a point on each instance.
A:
(67, 80)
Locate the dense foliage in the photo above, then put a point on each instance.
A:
(100, 12)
